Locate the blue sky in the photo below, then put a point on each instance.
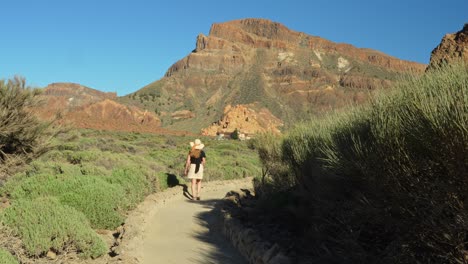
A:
(121, 46)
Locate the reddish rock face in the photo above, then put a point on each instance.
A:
(263, 63)
(84, 107)
(236, 37)
(246, 120)
(453, 47)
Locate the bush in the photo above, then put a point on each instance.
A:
(235, 134)
(44, 224)
(103, 199)
(22, 135)
(275, 174)
(99, 201)
(7, 258)
(386, 182)
(134, 183)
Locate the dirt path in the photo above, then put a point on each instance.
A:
(169, 228)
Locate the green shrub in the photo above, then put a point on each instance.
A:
(235, 134)
(7, 258)
(99, 202)
(385, 182)
(22, 135)
(275, 174)
(78, 157)
(135, 184)
(45, 224)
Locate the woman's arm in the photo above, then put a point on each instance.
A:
(203, 161)
(187, 165)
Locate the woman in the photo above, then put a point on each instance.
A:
(194, 166)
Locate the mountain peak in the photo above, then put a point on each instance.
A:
(266, 66)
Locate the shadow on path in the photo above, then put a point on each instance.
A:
(173, 181)
(223, 252)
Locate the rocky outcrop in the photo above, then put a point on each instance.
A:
(245, 120)
(453, 47)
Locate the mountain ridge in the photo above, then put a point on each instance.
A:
(83, 107)
(258, 63)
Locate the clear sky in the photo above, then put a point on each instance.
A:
(122, 45)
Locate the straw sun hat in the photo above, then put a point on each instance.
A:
(197, 144)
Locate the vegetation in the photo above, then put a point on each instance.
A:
(383, 183)
(91, 179)
(7, 258)
(45, 224)
(22, 135)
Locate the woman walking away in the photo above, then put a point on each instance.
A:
(196, 160)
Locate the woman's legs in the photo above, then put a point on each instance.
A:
(198, 187)
(194, 188)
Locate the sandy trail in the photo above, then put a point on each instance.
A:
(170, 228)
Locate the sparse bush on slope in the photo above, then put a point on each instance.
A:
(22, 135)
(387, 182)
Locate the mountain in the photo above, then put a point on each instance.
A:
(84, 107)
(264, 67)
(452, 47)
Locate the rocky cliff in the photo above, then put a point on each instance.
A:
(84, 107)
(263, 63)
(453, 47)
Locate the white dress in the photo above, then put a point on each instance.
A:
(191, 173)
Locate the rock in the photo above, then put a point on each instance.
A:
(452, 47)
(280, 258)
(51, 255)
(256, 250)
(107, 236)
(274, 250)
(232, 200)
(119, 232)
(249, 236)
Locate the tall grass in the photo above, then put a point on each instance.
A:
(387, 182)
